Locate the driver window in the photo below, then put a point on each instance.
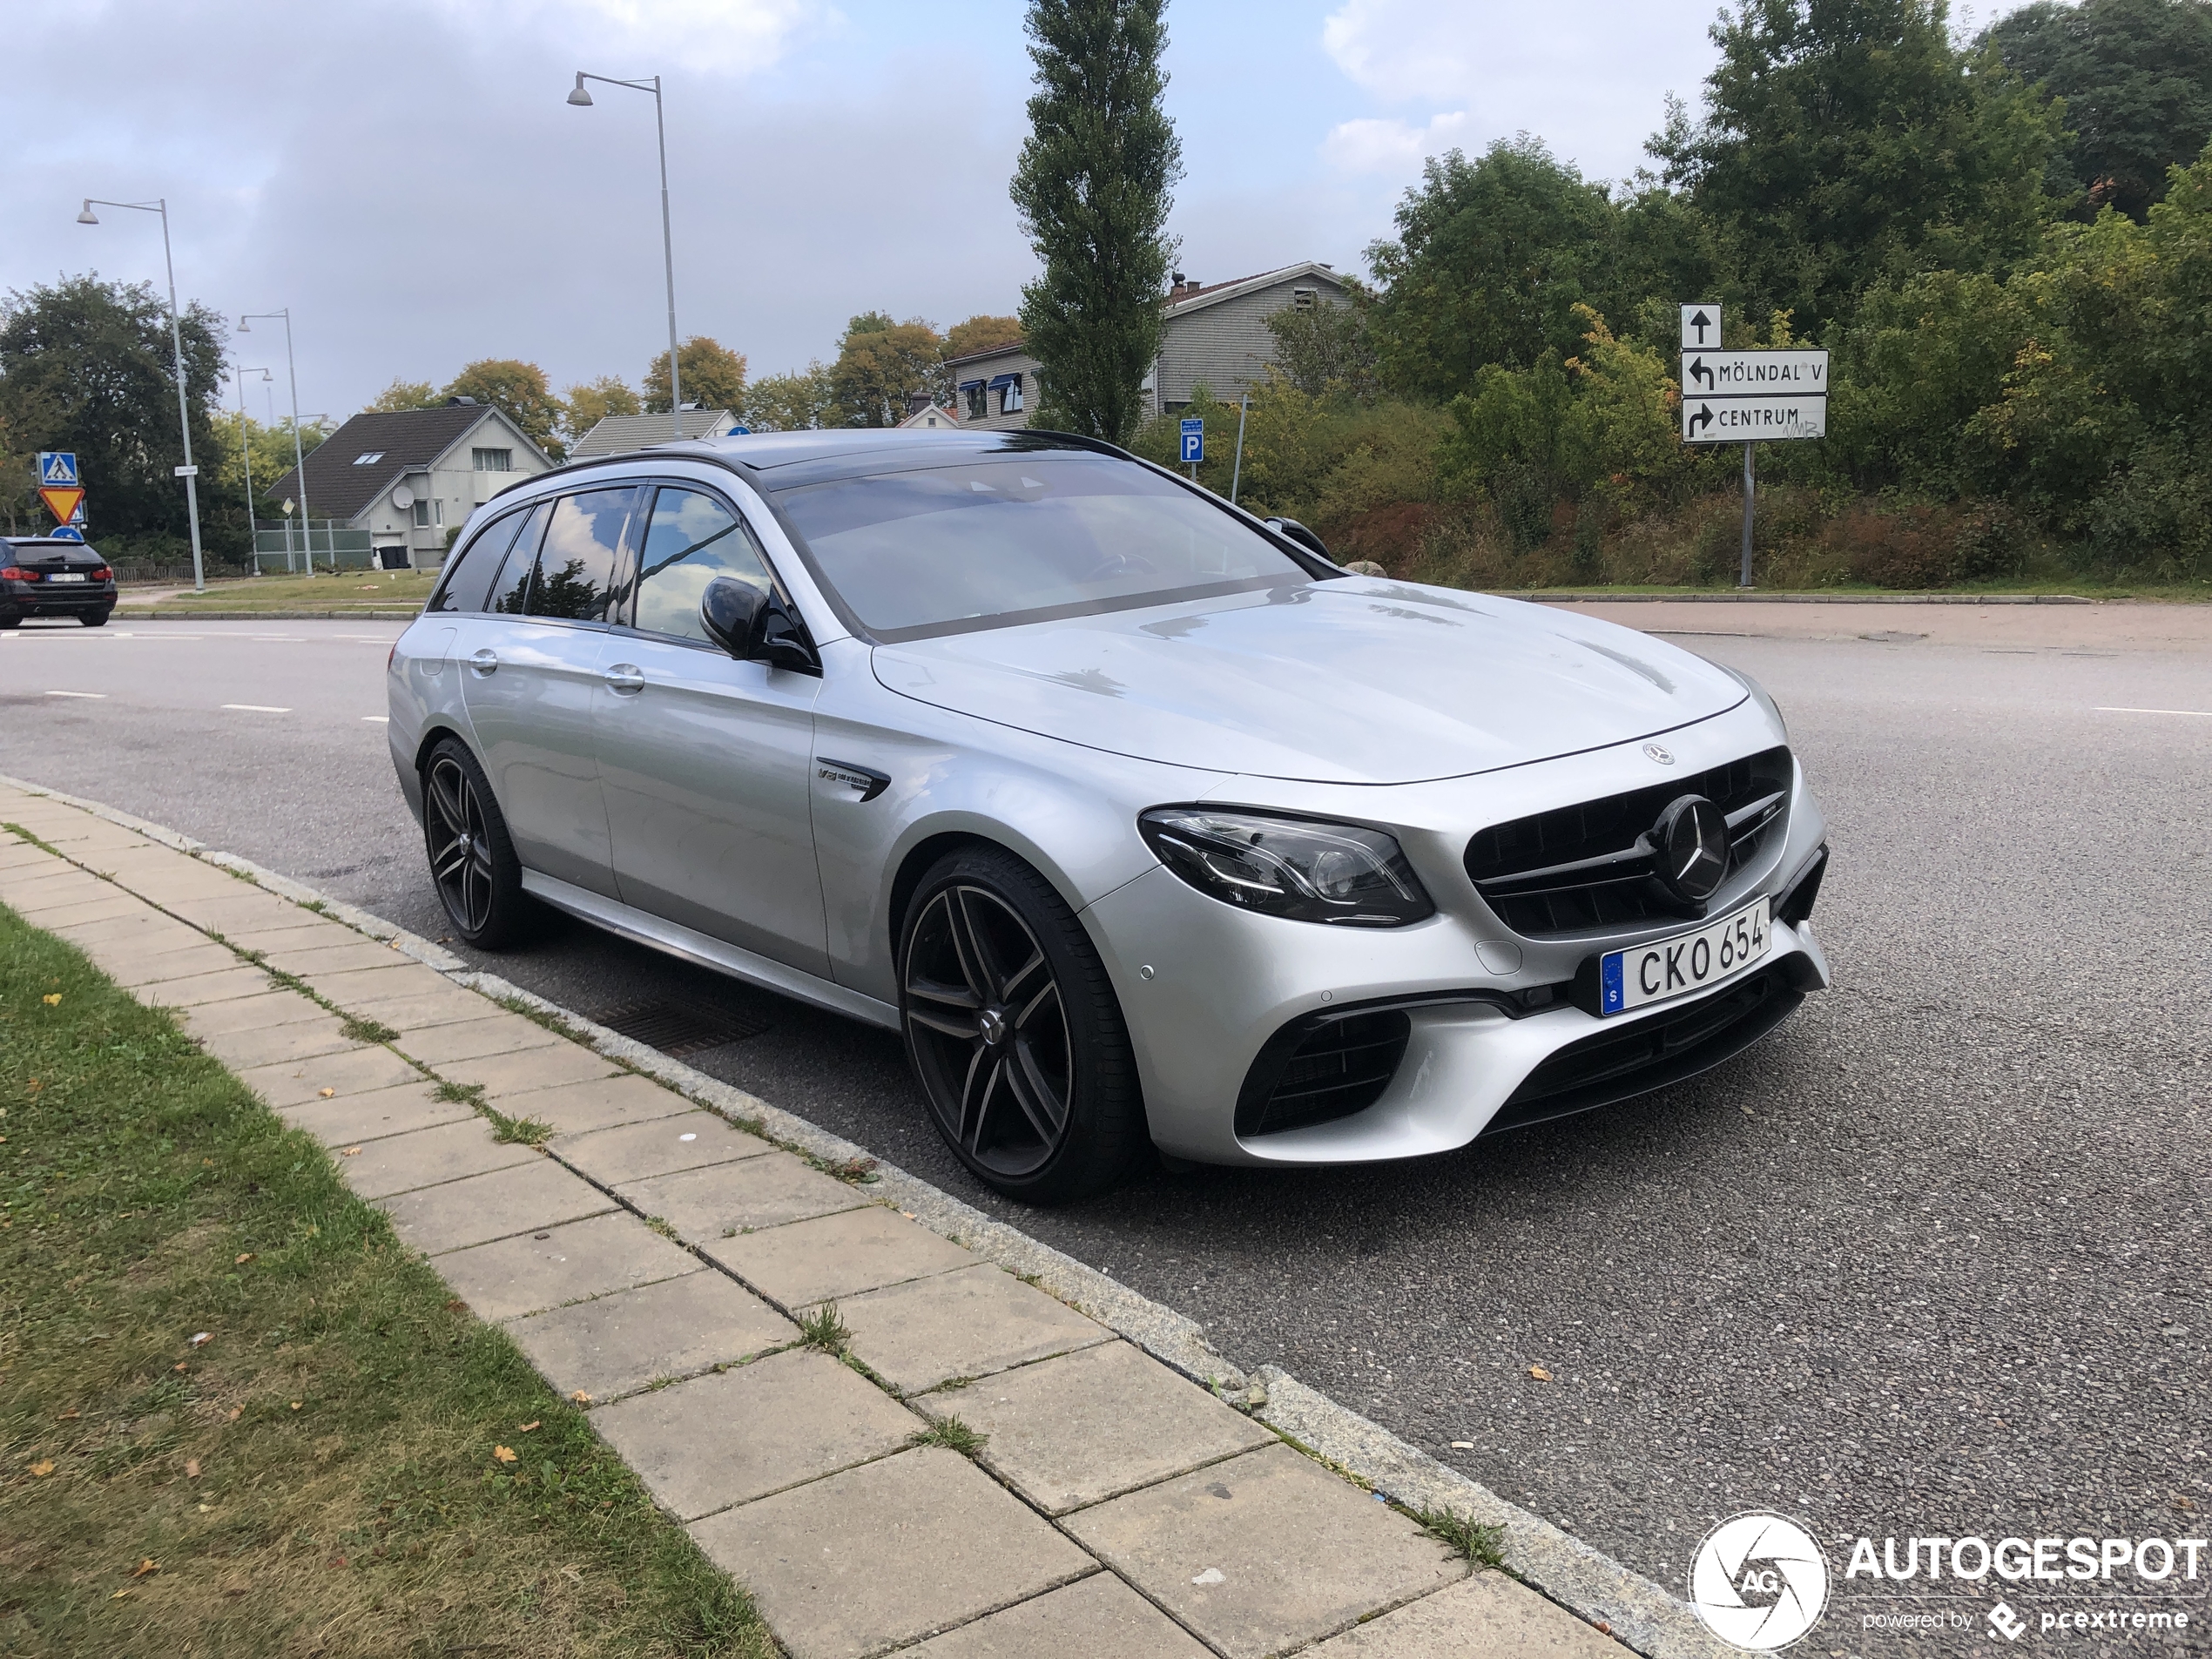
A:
(692, 539)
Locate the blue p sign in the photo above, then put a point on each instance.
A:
(1194, 440)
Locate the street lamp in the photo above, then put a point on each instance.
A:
(246, 448)
(299, 459)
(582, 98)
(188, 472)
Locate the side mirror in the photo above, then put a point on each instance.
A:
(1298, 532)
(753, 626)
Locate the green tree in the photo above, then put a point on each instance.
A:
(1490, 259)
(407, 395)
(88, 366)
(713, 377)
(798, 402)
(1848, 140)
(1328, 351)
(880, 365)
(2136, 77)
(1092, 189)
(592, 401)
(517, 390)
(982, 333)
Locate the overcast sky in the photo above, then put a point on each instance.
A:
(408, 178)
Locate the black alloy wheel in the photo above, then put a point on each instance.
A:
(1015, 1031)
(92, 618)
(472, 858)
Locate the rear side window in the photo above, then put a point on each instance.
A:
(692, 539)
(469, 578)
(512, 585)
(576, 563)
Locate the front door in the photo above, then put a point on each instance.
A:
(704, 760)
(529, 675)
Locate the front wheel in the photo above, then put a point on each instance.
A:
(1015, 1032)
(472, 857)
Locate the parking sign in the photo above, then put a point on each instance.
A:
(1194, 439)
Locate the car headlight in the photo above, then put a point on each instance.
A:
(1297, 867)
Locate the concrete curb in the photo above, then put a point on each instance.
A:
(1632, 1608)
(195, 615)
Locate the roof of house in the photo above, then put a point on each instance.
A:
(921, 418)
(619, 435)
(340, 483)
(1181, 301)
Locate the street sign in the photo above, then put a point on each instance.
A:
(56, 467)
(187, 472)
(65, 533)
(61, 503)
(1739, 373)
(1194, 440)
(1743, 419)
(1701, 327)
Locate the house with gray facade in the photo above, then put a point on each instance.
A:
(1215, 333)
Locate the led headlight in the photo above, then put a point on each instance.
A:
(1289, 867)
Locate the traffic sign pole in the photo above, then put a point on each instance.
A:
(1745, 580)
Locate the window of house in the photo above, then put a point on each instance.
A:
(493, 460)
(693, 539)
(1304, 299)
(422, 514)
(1008, 387)
(369, 458)
(972, 397)
(576, 563)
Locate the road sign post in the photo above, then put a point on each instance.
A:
(1747, 397)
(1194, 444)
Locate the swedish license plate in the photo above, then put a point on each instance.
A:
(1668, 967)
(67, 575)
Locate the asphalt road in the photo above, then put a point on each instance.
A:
(1935, 1260)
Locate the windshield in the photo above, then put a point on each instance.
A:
(989, 543)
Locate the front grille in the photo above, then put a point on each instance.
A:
(1667, 1047)
(1578, 868)
(1316, 1070)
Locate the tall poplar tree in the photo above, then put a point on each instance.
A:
(1092, 187)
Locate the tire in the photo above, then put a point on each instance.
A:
(10, 621)
(1015, 1033)
(472, 857)
(92, 618)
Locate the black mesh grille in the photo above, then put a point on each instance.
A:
(1335, 1069)
(1593, 829)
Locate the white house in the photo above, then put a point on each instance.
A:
(619, 435)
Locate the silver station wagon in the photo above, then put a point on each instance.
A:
(1145, 824)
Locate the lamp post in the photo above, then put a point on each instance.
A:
(299, 459)
(581, 100)
(188, 472)
(245, 449)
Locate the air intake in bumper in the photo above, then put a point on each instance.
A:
(1322, 1068)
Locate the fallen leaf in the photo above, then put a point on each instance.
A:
(43, 1469)
(581, 1398)
(1540, 1374)
(325, 1094)
(199, 1337)
(237, 1411)
(296, 1405)
(337, 1561)
(146, 1564)
(351, 1152)
(69, 1416)
(505, 1455)
(527, 1428)
(120, 1593)
(191, 1469)
(181, 1365)
(455, 1304)
(244, 1257)
(52, 999)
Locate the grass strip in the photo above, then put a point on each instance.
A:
(1481, 1543)
(236, 1418)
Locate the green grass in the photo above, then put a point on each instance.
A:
(1484, 1544)
(359, 1030)
(319, 1476)
(821, 1328)
(2080, 587)
(348, 589)
(951, 1433)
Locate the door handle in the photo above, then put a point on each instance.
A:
(484, 660)
(625, 679)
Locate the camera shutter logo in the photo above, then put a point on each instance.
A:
(1758, 1581)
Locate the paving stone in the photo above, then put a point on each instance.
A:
(319, 959)
(1299, 1553)
(705, 1204)
(294, 930)
(302, 1040)
(586, 1258)
(499, 1033)
(891, 1551)
(527, 1197)
(528, 1069)
(449, 1006)
(1096, 1615)
(222, 985)
(731, 1437)
(159, 938)
(265, 1010)
(1487, 1617)
(575, 1107)
(618, 1344)
(350, 1071)
(967, 1323)
(370, 1117)
(397, 975)
(184, 962)
(429, 1157)
(56, 895)
(660, 1146)
(248, 916)
(1092, 1425)
(831, 1256)
(94, 917)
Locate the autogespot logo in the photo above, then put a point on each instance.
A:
(1758, 1581)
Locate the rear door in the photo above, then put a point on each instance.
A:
(530, 673)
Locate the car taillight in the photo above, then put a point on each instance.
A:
(17, 573)
(103, 574)
(391, 656)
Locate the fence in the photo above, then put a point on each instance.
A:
(321, 545)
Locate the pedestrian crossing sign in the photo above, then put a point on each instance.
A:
(56, 467)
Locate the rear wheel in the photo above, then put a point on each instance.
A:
(472, 857)
(10, 621)
(92, 618)
(1015, 1032)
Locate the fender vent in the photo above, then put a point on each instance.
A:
(1320, 1069)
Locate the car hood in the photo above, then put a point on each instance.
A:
(1350, 681)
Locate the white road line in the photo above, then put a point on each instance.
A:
(2201, 714)
(255, 708)
(91, 694)
(380, 719)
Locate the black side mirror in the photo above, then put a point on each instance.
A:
(1298, 532)
(754, 627)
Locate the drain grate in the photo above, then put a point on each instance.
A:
(679, 1029)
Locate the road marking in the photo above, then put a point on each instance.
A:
(89, 694)
(255, 708)
(380, 719)
(2201, 714)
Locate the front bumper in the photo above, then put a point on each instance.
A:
(1205, 987)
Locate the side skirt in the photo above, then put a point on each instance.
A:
(618, 918)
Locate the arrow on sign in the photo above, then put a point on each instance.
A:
(61, 501)
(1701, 322)
(1703, 417)
(1698, 371)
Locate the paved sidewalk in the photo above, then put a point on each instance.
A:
(892, 1442)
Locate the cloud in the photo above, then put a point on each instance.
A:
(1386, 144)
(739, 37)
